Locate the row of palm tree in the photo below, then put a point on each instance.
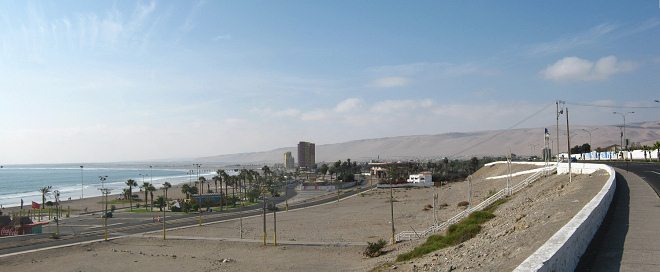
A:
(650, 149)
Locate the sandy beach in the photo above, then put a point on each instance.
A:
(96, 204)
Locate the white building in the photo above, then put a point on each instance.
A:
(423, 177)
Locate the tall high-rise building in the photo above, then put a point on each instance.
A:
(306, 155)
(288, 160)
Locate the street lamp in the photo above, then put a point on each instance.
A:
(199, 205)
(105, 192)
(589, 132)
(623, 135)
(143, 175)
(57, 212)
(82, 183)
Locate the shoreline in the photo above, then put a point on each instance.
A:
(95, 203)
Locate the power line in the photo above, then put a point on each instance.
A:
(612, 107)
(503, 131)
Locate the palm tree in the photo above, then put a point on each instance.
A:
(145, 187)
(186, 190)
(243, 177)
(161, 202)
(224, 177)
(151, 190)
(215, 181)
(166, 186)
(656, 146)
(201, 184)
(44, 191)
(130, 184)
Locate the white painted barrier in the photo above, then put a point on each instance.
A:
(563, 250)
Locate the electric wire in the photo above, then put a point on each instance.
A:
(503, 131)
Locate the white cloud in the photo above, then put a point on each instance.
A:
(348, 105)
(268, 112)
(222, 37)
(590, 36)
(445, 69)
(314, 115)
(389, 82)
(577, 69)
(389, 106)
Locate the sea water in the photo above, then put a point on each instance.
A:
(23, 182)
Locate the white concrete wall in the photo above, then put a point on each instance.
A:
(563, 250)
(610, 155)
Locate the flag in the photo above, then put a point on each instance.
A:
(35, 205)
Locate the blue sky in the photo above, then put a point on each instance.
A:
(95, 81)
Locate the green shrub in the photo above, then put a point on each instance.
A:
(375, 249)
(456, 233)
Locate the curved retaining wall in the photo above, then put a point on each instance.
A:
(563, 250)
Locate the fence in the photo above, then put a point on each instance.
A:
(412, 235)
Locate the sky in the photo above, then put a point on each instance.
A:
(105, 81)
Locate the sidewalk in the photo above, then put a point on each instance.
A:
(630, 237)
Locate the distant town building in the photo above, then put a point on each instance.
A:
(423, 177)
(306, 155)
(288, 161)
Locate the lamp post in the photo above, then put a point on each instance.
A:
(165, 206)
(105, 192)
(82, 184)
(199, 193)
(557, 132)
(392, 210)
(589, 132)
(151, 174)
(57, 212)
(532, 149)
(623, 135)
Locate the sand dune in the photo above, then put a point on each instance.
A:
(524, 141)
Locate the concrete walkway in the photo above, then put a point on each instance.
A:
(629, 239)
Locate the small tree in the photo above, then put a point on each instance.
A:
(131, 183)
(375, 249)
(160, 202)
(44, 191)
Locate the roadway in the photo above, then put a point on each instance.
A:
(89, 228)
(627, 240)
(649, 172)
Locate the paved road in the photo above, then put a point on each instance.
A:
(127, 226)
(628, 239)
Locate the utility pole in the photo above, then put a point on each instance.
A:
(199, 193)
(623, 134)
(274, 224)
(568, 141)
(559, 112)
(264, 217)
(508, 176)
(392, 210)
(469, 184)
(165, 206)
(105, 192)
(557, 129)
(82, 183)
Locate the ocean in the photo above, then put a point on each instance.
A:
(24, 182)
